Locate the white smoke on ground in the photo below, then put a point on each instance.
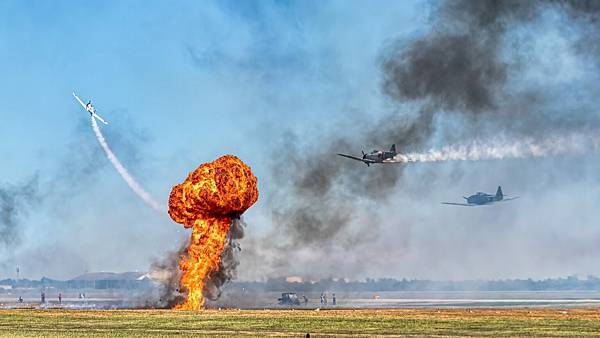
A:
(131, 182)
(496, 148)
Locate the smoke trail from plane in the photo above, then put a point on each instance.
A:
(502, 147)
(131, 182)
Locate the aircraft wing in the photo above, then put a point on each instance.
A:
(510, 198)
(461, 204)
(357, 158)
(78, 99)
(99, 118)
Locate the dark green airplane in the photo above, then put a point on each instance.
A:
(482, 198)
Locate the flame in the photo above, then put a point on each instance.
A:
(207, 201)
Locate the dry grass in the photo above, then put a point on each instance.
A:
(215, 323)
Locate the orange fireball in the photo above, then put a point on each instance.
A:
(207, 201)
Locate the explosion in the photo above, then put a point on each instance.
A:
(208, 201)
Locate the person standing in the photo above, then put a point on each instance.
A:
(333, 300)
(59, 298)
(43, 297)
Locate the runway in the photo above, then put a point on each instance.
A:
(107, 299)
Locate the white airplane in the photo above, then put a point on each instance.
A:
(90, 109)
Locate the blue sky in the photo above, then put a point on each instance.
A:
(188, 74)
(181, 83)
(184, 82)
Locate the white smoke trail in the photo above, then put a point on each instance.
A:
(502, 147)
(145, 196)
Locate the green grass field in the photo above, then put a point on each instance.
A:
(367, 323)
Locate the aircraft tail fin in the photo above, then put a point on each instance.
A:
(393, 148)
(499, 194)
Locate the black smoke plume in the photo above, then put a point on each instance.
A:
(229, 261)
(16, 202)
(167, 274)
(462, 68)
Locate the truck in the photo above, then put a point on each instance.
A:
(289, 299)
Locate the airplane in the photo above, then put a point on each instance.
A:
(90, 109)
(376, 156)
(481, 198)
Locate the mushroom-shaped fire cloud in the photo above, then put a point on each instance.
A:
(208, 201)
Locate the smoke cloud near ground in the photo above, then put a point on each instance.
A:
(166, 273)
(16, 202)
(475, 86)
(229, 261)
